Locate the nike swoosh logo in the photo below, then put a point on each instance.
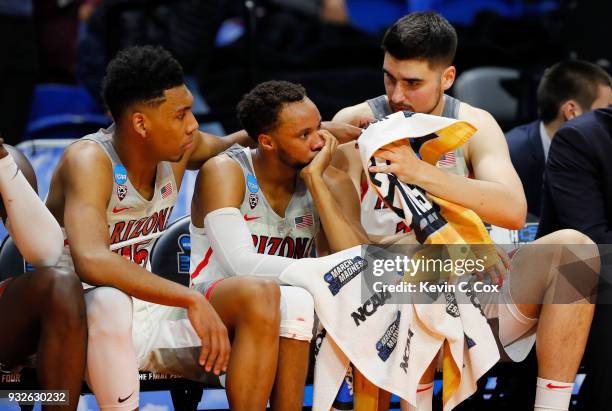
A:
(552, 387)
(424, 389)
(118, 210)
(247, 218)
(121, 400)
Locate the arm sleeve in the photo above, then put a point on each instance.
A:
(35, 231)
(575, 186)
(232, 243)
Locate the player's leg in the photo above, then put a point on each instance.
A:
(112, 370)
(561, 271)
(296, 328)
(249, 307)
(47, 317)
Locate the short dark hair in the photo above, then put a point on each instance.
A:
(259, 109)
(571, 79)
(139, 74)
(422, 35)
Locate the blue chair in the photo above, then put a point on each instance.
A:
(63, 111)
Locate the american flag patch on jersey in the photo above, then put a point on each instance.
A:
(304, 221)
(448, 159)
(166, 190)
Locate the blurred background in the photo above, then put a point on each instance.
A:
(54, 54)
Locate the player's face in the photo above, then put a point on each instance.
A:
(415, 85)
(173, 124)
(297, 136)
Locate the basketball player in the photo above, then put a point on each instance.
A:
(256, 210)
(417, 68)
(42, 312)
(114, 190)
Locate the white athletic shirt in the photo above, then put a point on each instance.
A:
(133, 222)
(292, 236)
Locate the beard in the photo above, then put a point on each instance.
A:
(286, 159)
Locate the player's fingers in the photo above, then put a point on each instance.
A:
(214, 351)
(205, 350)
(505, 258)
(224, 356)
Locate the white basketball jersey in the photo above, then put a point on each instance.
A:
(290, 236)
(133, 222)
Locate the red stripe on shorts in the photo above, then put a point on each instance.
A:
(202, 264)
(3, 285)
(207, 295)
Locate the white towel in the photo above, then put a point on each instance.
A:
(392, 344)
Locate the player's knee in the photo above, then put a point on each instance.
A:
(569, 236)
(109, 313)
(260, 300)
(63, 294)
(297, 313)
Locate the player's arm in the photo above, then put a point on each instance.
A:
(495, 193)
(346, 158)
(207, 146)
(36, 233)
(359, 115)
(85, 173)
(218, 193)
(335, 199)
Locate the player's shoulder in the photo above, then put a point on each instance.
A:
(476, 116)
(352, 113)
(85, 155)
(220, 164)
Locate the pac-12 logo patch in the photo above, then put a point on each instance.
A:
(252, 183)
(121, 191)
(120, 174)
(253, 200)
(344, 272)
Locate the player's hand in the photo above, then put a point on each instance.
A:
(3, 152)
(342, 131)
(403, 162)
(215, 351)
(323, 158)
(499, 270)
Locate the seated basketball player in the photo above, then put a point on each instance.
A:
(113, 192)
(41, 312)
(255, 210)
(417, 67)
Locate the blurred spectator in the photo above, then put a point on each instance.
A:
(57, 24)
(578, 178)
(18, 66)
(578, 194)
(566, 90)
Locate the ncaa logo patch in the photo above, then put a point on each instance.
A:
(121, 191)
(344, 272)
(252, 183)
(120, 174)
(388, 341)
(253, 200)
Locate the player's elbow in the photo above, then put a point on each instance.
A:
(87, 265)
(517, 214)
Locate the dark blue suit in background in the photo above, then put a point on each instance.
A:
(527, 155)
(578, 194)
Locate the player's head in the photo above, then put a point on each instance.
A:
(419, 51)
(572, 87)
(283, 120)
(145, 92)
